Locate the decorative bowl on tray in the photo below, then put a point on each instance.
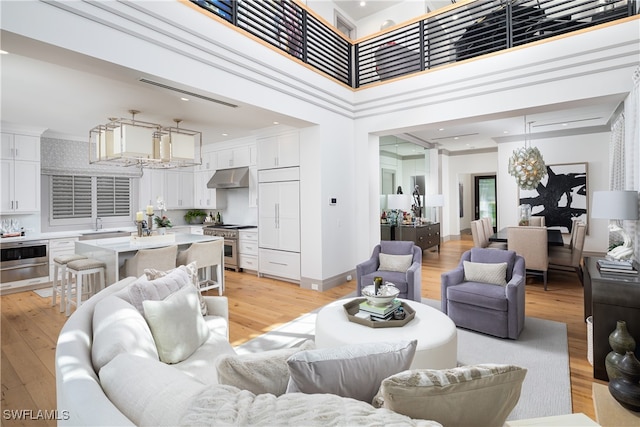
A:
(386, 293)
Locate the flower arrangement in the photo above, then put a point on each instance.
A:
(163, 221)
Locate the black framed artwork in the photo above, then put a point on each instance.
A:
(561, 197)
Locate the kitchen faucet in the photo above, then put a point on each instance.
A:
(98, 223)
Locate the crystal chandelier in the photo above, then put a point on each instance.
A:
(131, 142)
(526, 164)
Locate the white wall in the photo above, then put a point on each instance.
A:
(463, 167)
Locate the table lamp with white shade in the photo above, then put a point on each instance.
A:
(435, 201)
(617, 205)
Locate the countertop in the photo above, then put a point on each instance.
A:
(124, 244)
(59, 234)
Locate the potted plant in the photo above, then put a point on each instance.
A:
(195, 216)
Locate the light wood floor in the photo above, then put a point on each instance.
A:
(30, 326)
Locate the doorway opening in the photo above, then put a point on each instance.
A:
(485, 200)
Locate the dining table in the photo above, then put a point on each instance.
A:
(554, 236)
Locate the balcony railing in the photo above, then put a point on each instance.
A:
(458, 33)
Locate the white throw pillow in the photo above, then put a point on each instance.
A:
(119, 328)
(477, 395)
(148, 392)
(354, 371)
(176, 324)
(495, 273)
(264, 372)
(158, 289)
(399, 263)
(192, 271)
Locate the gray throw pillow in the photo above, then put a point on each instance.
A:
(354, 371)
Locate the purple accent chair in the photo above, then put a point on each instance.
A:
(491, 309)
(409, 283)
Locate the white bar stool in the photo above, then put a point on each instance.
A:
(80, 268)
(60, 285)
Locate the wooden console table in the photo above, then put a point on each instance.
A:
(425, 236)
(609, 298)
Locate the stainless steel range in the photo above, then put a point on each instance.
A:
(230, 233)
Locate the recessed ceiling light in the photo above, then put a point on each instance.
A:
(276, 123)
(225, 134)
(441, 129)
(565, 124)
(456, 137)
(184, 99)
(505, 131)
(3, 52)
(363, 3)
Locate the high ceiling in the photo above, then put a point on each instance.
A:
(68, 94)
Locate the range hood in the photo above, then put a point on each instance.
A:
(230, 178)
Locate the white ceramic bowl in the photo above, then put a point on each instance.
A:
(387, 293)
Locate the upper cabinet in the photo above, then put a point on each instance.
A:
(179, 189)
(279, 151)
(20, 187)
(209, 161)
(234, 157)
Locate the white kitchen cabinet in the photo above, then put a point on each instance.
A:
(234, 157)
(253, 187)
(285, 265)
(20, 147)
(151, 187)
(279, 209)
(20, 164)
(248, 249)
(60, 247)
(279, 151)
(207, 198)
(209, 161)
(179, 189)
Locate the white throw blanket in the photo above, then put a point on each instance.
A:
(221, 405)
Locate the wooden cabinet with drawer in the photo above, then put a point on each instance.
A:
(424, 236)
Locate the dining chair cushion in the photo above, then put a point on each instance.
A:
(177, 325)
(354, 371)
(494, 274)
(474, 395)
(399, 263)
(192, 270)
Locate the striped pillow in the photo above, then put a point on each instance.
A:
(474, 395)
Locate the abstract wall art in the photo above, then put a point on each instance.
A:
(561, 197)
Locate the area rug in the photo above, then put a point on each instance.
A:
(542, 348)
(44, 292)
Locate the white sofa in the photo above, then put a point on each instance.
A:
(144, 391)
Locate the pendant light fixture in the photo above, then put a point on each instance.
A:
(131, 142)
(526, 164)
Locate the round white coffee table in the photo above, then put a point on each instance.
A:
(435, 331)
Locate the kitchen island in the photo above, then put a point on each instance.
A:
(114, 251)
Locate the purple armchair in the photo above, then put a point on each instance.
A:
(491, 309)
(409, 282)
